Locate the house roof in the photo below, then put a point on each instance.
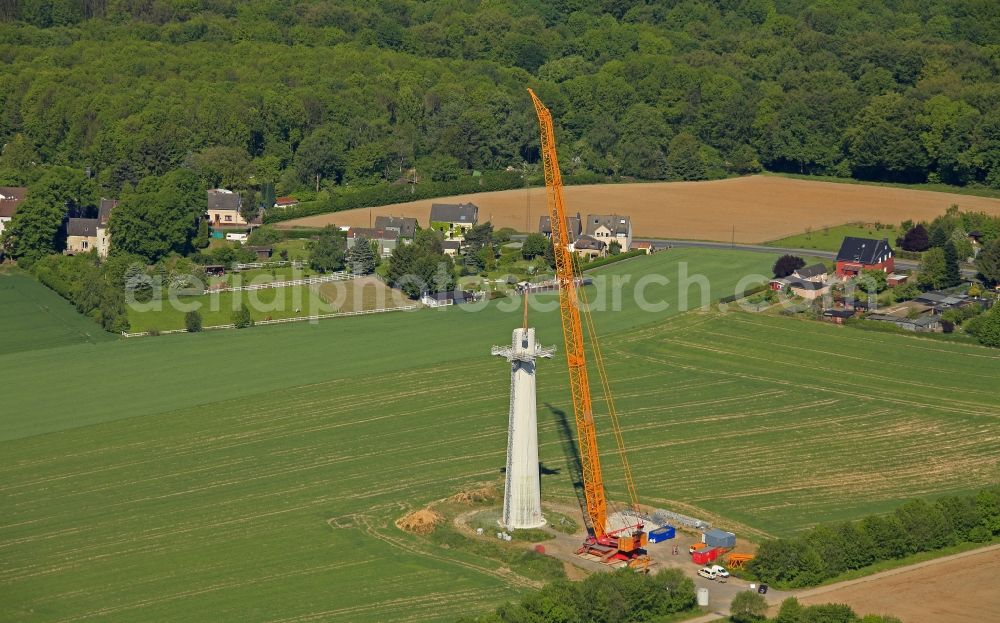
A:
(406, 226)
(82, 227)
(371, 233)
(222, 199)
(573, 223)
(863, 250)
(285, 201)
(807, 285)
(838, 313)
(104, 210)
(454, 213)
(922, 321)
(618, 225)
(811, 271)
(589, 243)
(10, 196)
(452, 244)
(642, 245)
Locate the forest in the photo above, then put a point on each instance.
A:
(329, 98)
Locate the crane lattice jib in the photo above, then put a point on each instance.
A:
(593, 482)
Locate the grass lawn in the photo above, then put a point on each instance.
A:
(830, 238)
(34, 317)
(217, 308)
(296, 249)
(256, 474)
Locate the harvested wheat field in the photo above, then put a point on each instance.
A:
(959, 589)
(761, 208)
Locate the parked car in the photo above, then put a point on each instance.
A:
(707, 572)
(720, 571)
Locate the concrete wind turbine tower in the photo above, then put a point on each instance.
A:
(522, 504)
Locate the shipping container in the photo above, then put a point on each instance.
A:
(662, 534)
(719, 538)
(700, 557)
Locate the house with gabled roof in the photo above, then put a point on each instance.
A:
(574, 226)
(387, 240)
(860, 254)
(817, 272)
(454, 219)
(224, 208)
(588, 246)
(610, 228)
(10, 197)
(81, 235)
(404, 226)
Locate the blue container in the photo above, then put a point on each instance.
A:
(720, 538)
(662, 534)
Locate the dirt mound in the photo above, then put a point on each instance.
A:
(422, 521)
(484, 493)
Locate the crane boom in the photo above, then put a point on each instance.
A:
(576, 359)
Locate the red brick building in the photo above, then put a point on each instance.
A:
(860, 254)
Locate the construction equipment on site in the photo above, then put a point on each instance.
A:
(738, 561)
(624, 543)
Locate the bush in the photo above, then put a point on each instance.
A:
(748, 607)
(192, 321)
(787, 264)
(242, 318)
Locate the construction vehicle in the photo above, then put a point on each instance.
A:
(624, 543)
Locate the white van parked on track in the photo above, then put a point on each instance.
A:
(707, 572)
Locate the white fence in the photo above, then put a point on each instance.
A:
(285, 320)
(292, 263)
(340, 276)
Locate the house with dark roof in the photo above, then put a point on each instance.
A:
(588, 246)
(574, 227)
(224, 208)
(921, 324)
(10, 197)
(387, 240)
(404, 226)
(860, 254)
(81, 235)
(454, 219)
(610, 228)
(816, 272)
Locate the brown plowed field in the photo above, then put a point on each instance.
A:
(962, 589)
(761, 208)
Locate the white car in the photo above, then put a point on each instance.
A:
(707, 572)
(720, 571)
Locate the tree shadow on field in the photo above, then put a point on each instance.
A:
(567, 440)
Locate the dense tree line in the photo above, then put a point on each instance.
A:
(290, 95)
(917, 526)
(751, 607)
(623, 596)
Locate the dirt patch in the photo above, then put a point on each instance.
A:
(422, 521)
(756, 208)
(475, 495)
(363, 294)
(956, 590)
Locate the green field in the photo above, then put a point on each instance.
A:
(255, 475)
(32, 317)
(830, 238)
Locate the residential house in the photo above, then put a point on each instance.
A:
(286, 202)
(574, 227)
(404, 226)
(224, 208)
(860, 254)
(103, 225)
(454, 219)
(387, 240)
(588, 246)
(610, 228)
(817, 273)
(81, 235)
(452, 247)
(809, 290)
(645, 247)
(10, 197)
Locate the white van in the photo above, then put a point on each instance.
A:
(240, 238)
(720, 571)
(707, 572)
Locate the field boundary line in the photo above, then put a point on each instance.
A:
(363, 312)
(339, 276)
